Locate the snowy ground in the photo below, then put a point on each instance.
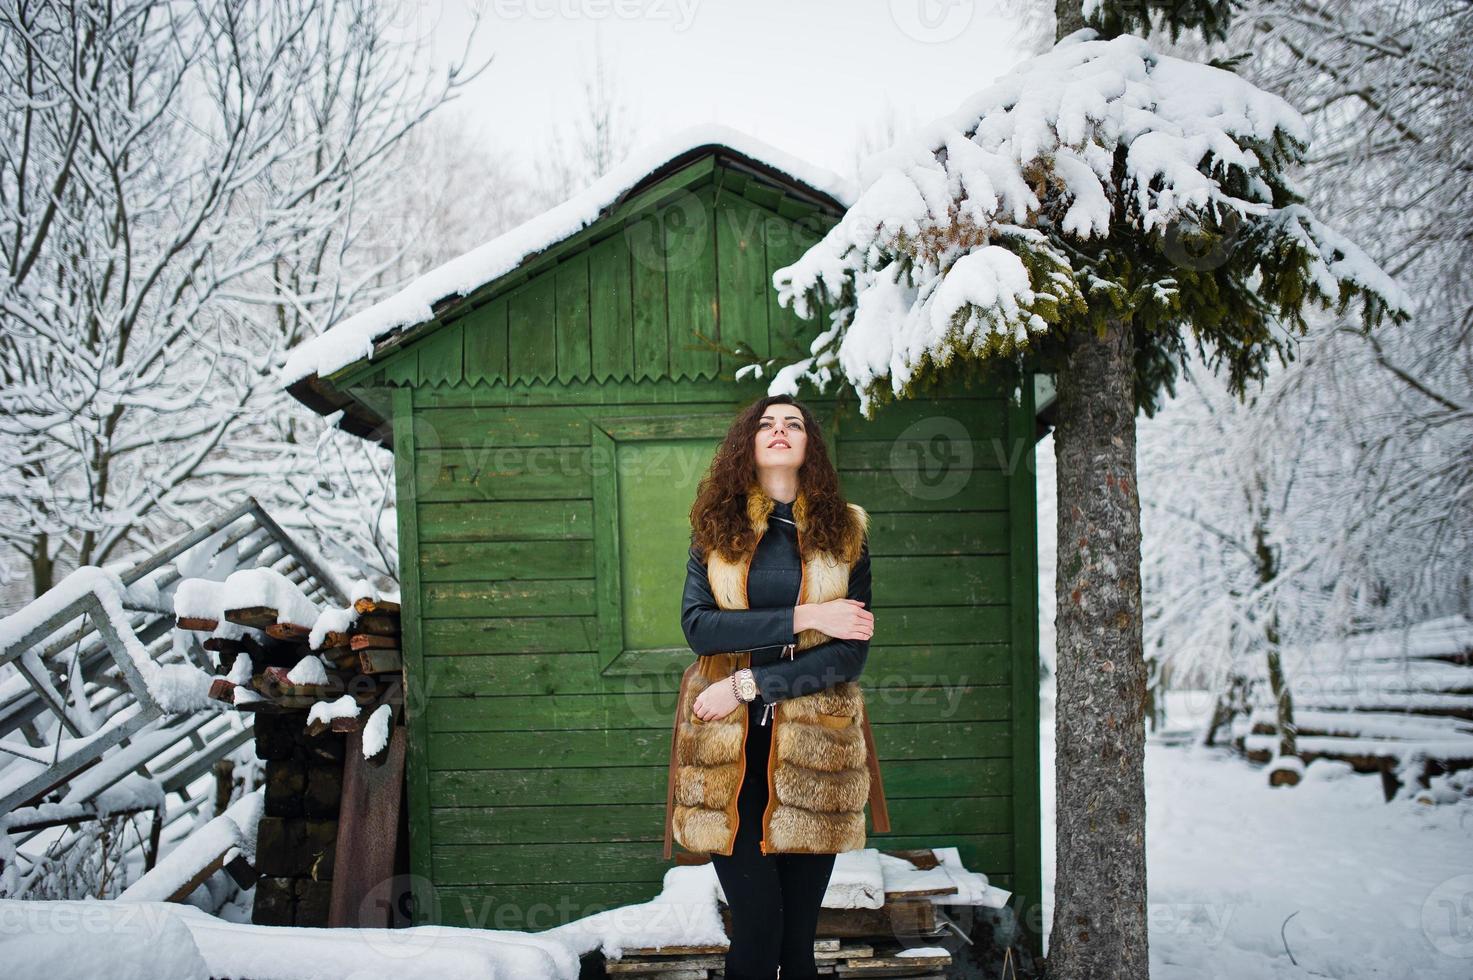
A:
(1354, 887)
(1374, 889)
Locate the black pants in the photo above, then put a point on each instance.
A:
(774, 898)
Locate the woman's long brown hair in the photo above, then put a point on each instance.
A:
(718, 517)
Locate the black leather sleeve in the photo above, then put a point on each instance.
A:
(826, 664)
(711, 629)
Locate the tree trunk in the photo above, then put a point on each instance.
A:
(1099, 924)
(1283, 696)
(1268, 570)
(1283, 699)
(1068, 17)
(1229, 704)
(43, 566)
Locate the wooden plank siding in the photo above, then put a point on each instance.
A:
(680, 290)
(543, 777)
(539, 719)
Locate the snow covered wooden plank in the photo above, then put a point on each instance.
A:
(331, 640)
(1389, 725)
(917, 961)
(380, 660)
(201, 854)
(365, 641)
(1457, 705)
(288, 631)
(367, 605)
(256, 617)
(255, 597)
(1366, 754)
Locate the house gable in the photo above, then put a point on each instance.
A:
(634, 297)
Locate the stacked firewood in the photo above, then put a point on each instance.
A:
(332, 777)
(363, 663)
(902, 938)
(1394, 702)
(834, 958)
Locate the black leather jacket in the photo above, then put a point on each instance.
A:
(765, 628)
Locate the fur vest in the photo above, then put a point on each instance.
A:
(822, 765)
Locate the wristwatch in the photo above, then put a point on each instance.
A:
(744, 684)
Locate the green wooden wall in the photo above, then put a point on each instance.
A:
(548, 442)
(545, 651)
(636, 297)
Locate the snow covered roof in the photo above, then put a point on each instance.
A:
(353, 339)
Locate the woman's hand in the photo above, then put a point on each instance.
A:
(716, 701)
(841, 619)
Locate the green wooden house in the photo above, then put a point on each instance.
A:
(550, 424)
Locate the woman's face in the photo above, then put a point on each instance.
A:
(782, 438)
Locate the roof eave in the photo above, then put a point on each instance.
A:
(358, 419)
(324, 398)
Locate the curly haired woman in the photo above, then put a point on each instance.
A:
(772, 761)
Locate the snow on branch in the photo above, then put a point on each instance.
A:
(1062, 193)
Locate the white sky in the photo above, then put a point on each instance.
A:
(807, 76)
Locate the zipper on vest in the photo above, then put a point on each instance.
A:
(746, 717)
(766, 819)
(766, 711)
(772, 746)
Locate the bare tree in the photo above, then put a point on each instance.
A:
(585, 147)
(1390, 98)
(1234, 541)
(335, 489)
(184, 195)
(1364, 441)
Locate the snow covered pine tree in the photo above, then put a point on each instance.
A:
(1086, 214)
